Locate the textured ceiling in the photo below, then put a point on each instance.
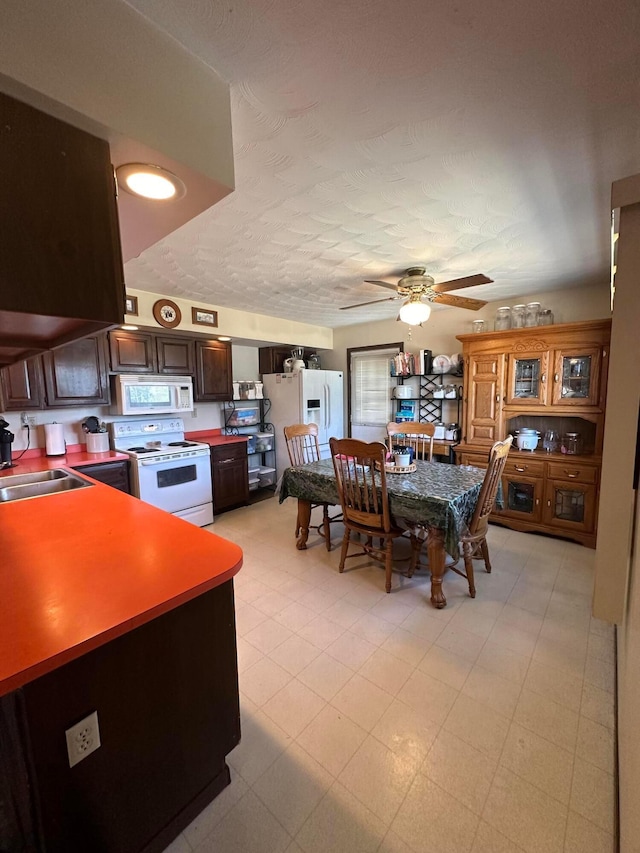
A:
(369, 136)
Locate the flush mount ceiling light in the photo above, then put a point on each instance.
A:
(223, 338)
(414, 311)
(130, 328)
(148, 181)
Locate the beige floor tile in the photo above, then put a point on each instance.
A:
(247, 654)
(248, 827)
(321, 632)
(344, 613)
(272, 602)
(406, 646)
(600, 673)
(294, 654)
(428, 695)
(295, 588)
(292, 787)
(461, 642)
(598, 705)
(294, 847)
(432, 821)
(571, 636)
(406, 731)
(362, 701)
(492, 690)
(602, 646)
(325, 675)
(478, 725)
(267, 636)
(421, 623)
(539, 762)
(392, 843)
(386, 671)
(522, 619)
(504, 662)
(593, 795)
(211, 816)
(332, 738)
(596, 744)
(247, 618)
(460, 769)
(379, 777)
(179, 845)
(525, 814)
(373, 628)
(248, 589)
(472, 620)
(392, 609)
(351, 650)
(513, 637)
(550, 652)
(364, 598)
(556, 684)
(293, 707)
(263, 680)
(585, 837)
(295, 616)
(489, 840)
(547, 719)
(446, 666)
(341, 824)
(262, 742)
(529, 596)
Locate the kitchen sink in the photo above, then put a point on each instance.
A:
(21, 486)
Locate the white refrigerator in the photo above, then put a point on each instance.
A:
(309, 396)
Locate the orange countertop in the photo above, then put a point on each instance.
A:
(83, 567)
(29, 463)
(215, 439)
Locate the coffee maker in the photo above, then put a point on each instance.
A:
(6, 440)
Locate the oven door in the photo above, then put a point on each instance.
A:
(175, 484)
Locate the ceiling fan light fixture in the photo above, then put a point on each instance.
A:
(414, 311)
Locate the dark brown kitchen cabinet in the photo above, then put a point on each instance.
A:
(22, 386)
(76, 374)
(230, 475)
(213, 371)
(132, 352)
(60, 257)
(115, 474)
(176, 355)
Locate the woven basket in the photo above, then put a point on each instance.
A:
(400, 469)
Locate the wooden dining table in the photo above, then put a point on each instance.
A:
(437, 497)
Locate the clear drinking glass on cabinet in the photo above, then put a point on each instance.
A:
(551, 441)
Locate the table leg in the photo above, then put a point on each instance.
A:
(304, 517)
(437, 557)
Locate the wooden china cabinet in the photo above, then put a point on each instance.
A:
(552, 379)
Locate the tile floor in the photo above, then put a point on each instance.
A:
(373, 722)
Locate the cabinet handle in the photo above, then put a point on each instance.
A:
(548, 503)
(556, 377)
(569, 474)
(497, 398)
(543, 378)
(537, 501)
(520, 470)
(223, 461)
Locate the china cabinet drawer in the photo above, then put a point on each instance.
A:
(580, 473)
(534, 468)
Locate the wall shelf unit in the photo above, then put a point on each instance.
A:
(250, 418)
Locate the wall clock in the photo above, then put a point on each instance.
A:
(167, 313)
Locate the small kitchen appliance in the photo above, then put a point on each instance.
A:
(167, 471)
(6, 440)
(527, 439)
(144, 394)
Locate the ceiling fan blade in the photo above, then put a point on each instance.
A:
(373, 302)
(382, 284)
(459, 283)
(459, 301)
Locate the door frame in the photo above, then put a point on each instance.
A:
(372, 348)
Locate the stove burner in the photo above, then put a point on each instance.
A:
(140, 449)
(181, 444)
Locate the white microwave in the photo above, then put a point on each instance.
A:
(153, 395)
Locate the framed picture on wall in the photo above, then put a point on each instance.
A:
(131, 305)
(204, 317)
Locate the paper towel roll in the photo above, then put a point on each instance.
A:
(54, 439)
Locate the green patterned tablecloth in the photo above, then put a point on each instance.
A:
(436, 495)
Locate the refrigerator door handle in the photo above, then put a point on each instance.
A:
(328, 406)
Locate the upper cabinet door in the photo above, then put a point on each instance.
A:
(527, 379)
(132, 352)
(576, 378)
(176, 355)
(21, 385)
(76, 374)
(213, 371)
(484, 403)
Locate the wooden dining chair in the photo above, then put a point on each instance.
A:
(413, 434)
(362, 486)
(303, 448)
(473, 543)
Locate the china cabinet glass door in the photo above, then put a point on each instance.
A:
(570, 505)
(576, 377)
(521, 497)
(527, 379)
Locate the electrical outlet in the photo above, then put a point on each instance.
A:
(83, 738)
(27, 420)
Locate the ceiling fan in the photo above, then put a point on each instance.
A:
(417, 289)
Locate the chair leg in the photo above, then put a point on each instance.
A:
(485, 555)
(467, 551)
(326, 525)
(416, 545)
(388, 564)
(297, 523)
(345, 547)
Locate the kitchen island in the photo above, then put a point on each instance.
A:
(110, 605)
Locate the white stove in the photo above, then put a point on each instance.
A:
(167, 471)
